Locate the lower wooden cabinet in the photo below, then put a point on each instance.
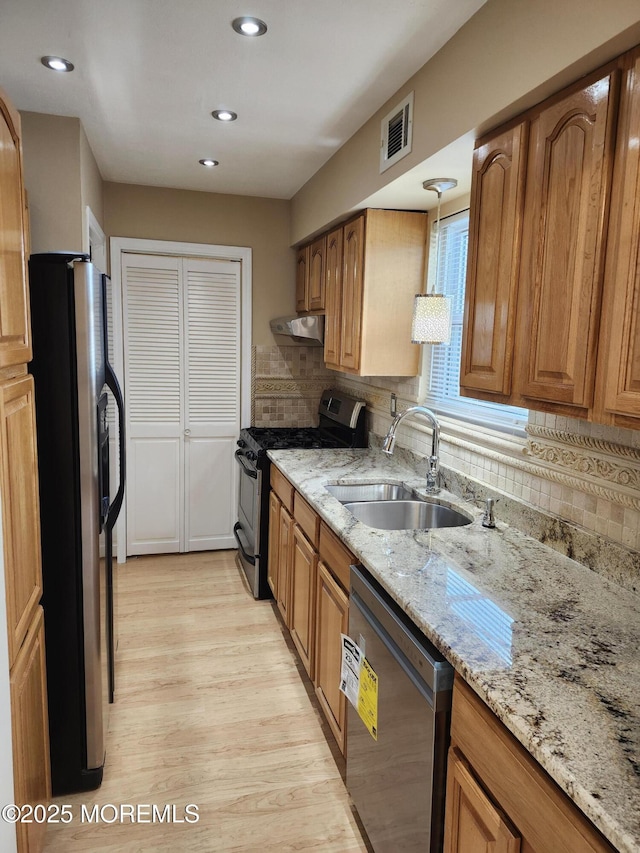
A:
(304, 565)
(274, 538)
(332, 619)
(285, 539)
(30, 734)
(474, 824)
(494, 785)
(20, 507)
(309, 576)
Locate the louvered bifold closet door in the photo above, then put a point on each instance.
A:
(154, 403)
(212, 400)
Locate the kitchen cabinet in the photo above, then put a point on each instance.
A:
(310, 570)
(310, 276)
(540, 201)
(30, 732)
(20, 508)
(370, 294)
(618, 389)
(302, 278)
(20, 496)
(333, 315)
(15, 336)
(304, 567)
(473, 822)
(497, 200)
(494, 786)
(563, 242)
(274, 539)
(280, 551)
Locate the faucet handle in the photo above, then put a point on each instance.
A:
(488, 519)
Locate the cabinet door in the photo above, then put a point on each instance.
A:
(352, 284)
(304, 565)
(568, 183)
(15, 338)
(332, 619)
(472, 823)
(285, 545)
(333, 298)
(302, 279)
(317, 257)
(274, 540)
(620, 339)
(497, 198)
(20, 507)
(30, 732)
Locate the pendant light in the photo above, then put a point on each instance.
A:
(432, 311)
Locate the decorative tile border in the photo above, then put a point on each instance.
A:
(602, 467)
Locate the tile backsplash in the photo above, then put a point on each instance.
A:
(286, 385)
(587, 475)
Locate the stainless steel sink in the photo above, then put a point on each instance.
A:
(348, 492)
(406, 515)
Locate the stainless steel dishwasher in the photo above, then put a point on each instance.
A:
(397, 782)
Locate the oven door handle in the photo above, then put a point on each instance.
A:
(248, 471)
(248, 557)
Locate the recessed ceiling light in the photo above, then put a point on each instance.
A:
(208, 162)
(248, 26)
(57, 63)
(224, 115)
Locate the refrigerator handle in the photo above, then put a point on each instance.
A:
(114, 386)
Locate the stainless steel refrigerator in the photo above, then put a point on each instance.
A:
(77, 512)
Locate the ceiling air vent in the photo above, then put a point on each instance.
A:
(396, 131)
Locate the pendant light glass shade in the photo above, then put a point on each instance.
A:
(432, 312)
(431, 319)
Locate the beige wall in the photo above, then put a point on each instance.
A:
(509, 56)
(91, 185)
(197, 217)
(51, 147)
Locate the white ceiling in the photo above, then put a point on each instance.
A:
(148, 73)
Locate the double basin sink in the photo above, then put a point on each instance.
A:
(389, 506)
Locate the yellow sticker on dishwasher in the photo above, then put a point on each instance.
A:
(368, 698)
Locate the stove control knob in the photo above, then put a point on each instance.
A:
(251, 455)
(241, 442)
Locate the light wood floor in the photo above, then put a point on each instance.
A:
(210, 710)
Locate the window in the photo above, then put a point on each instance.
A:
(443, 367)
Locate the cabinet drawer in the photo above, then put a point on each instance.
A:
(336, 555)
(543, 813)
(307, 518)
(282, 487)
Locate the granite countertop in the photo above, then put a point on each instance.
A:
(552, 647)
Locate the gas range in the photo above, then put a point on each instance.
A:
(341, 424)
(260, 439)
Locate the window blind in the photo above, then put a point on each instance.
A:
(444, 365)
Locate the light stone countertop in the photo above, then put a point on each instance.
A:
(552, 647)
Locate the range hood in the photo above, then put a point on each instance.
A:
(308, 330)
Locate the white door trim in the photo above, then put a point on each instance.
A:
(118, 245)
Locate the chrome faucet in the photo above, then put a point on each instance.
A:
(389, 443)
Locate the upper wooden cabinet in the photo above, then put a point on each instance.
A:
(310, 276)
(563, 243)
(544, 225)
(15, 339)
(497, 200)
(333, 301)
(370, 294)
(618, 388)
